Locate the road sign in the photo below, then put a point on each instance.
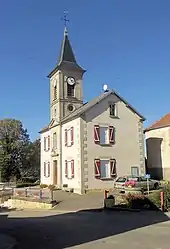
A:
(147, 176)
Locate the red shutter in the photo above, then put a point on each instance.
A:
(97, 168)
(45, 169)
(111, 134)
(66, 169)
(48, 142)
(72, 135)
(72, 168)
(112, 167)
(48, 169)
(44, 143)
(97, 134)
(65, 137)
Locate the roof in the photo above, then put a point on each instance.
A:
(163, 122)
(92, 103)
(66, 57)
(95, 101)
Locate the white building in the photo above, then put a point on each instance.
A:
(85, 146)
(158, 148)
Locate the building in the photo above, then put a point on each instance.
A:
(158, 148)
(85, 146)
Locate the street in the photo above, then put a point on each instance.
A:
(87, 229)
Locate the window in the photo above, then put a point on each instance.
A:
(46, 143)
(105, 168)
(69, 169)
(112, 109)
(69, 136)
(54, 140)
(55, 92)
(70, 90)
(104, 135)
(55, 112)
(47, 169)
(121, 180)
(135, 171)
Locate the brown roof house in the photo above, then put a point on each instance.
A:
(158, 148)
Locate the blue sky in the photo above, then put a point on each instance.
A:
(124, 44)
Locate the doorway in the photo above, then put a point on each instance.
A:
(55, 172)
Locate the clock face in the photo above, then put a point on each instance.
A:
(71, 81)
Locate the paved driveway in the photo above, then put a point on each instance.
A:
(94, 230)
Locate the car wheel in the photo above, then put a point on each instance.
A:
(156, 185)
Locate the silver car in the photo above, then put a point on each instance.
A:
(140, 181)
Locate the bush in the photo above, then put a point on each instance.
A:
(51, 187)
(43, 185)
(140, 202)
(23, 185)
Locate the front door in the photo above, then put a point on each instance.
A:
(55, 172)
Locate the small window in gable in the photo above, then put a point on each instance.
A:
(70, 90)
(112, 109)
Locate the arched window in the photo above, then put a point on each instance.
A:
(70, 90)
(55, 92)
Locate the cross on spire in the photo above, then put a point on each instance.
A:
(65, 19)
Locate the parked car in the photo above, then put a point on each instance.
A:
(139, 181)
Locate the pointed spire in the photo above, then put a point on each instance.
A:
(66, 54)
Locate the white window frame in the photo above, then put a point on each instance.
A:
(107, 142)
(108, 176)
(115, 109)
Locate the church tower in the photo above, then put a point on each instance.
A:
(66, 88)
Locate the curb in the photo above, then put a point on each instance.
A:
(7, 242)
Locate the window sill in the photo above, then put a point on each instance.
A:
(113, 116)
(107, 178)
(107, 145)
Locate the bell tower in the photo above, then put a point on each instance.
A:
(66, 83)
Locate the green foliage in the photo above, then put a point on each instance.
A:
(13, 139)
(43, 185)
(18, 156)
(23, 185)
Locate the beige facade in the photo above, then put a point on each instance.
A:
(158, 151)
(128, 150)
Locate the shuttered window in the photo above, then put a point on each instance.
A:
(69, 169)
(104, 168)
(104, 135)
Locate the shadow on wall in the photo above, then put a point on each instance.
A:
(154, 157)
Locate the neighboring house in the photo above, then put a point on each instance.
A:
(158, 148)
(86, 146)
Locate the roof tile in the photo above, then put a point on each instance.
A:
(163, 122)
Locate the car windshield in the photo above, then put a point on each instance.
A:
(121, 179)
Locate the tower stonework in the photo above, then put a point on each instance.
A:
(66, 87)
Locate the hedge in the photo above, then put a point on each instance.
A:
(152, 201)
(23, 185)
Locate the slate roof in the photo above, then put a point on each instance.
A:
(67, 57)
(95, 101)
(163, 122)
(92, 103)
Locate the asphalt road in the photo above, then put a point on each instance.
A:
(87, 229)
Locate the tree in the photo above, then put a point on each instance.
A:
(31, 160)
(14, 140)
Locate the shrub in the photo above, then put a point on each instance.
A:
(23, 185)
(43, 185)
(139, 202)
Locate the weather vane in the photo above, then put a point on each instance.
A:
(65, 19)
